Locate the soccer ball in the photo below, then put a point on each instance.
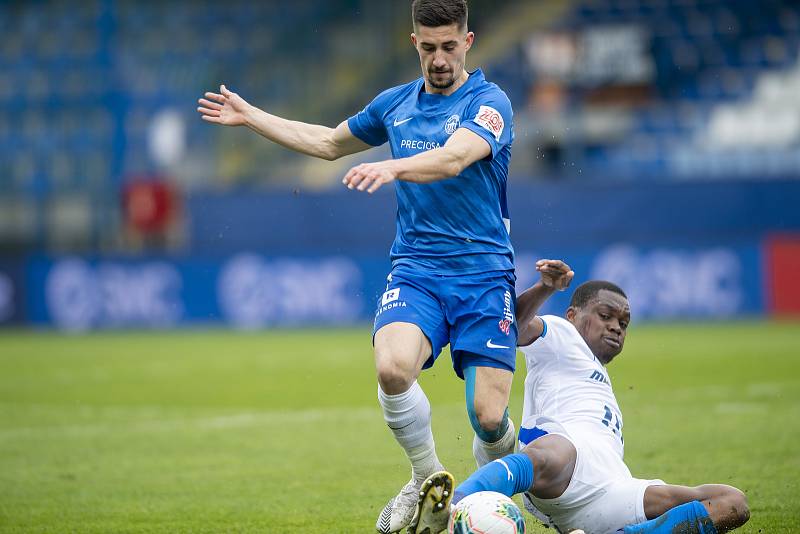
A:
(486, 512)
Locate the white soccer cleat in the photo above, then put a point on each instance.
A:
(579, 531)
(433, 507)
(399, 511)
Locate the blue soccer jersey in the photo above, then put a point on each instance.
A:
(458, 225)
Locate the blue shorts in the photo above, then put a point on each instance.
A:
(474, 313)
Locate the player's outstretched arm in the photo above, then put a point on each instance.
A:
(555, 276)
(229, 109)
(462, 150)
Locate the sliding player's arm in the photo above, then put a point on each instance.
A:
(229, 109)
(462, 149)
(555, 276)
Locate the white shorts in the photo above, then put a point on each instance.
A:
(602, 496)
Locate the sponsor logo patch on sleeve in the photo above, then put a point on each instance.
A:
(490, 118)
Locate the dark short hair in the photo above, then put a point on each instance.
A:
(433, 13)
(589, 290)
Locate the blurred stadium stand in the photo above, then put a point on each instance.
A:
(82, 83)
(96, 91)
(663, 89)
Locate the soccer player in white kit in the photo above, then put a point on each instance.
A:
(570, 468)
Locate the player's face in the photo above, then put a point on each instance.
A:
(442, 53)
(603, 323)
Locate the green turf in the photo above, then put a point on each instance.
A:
(281, 432)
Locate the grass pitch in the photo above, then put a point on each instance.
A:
(280, 432)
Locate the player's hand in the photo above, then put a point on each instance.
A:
(370, 177)
(555, 274)
(226, 108)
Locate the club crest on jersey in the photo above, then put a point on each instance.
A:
(452, 124)
(491, 119)
(508, 314)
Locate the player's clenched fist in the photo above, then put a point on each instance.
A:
(226, 108)
(555, 273)
(370, 176)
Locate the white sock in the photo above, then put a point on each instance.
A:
(485, 453)
(408, 415)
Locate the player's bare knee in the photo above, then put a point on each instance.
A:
(539, 459)
(553, 459)
(488, 419)
(393, 377)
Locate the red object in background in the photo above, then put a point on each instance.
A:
(783, 272)
(149, 205)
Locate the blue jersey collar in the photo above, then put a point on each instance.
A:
(425, 99)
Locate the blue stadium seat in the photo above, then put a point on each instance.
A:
(706, 53)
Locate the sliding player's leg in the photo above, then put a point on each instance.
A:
(604, 497)
(707, 509)
(544, 467)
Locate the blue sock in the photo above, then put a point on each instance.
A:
(689, 518)
(510, 475)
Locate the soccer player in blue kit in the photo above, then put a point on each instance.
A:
(452, 276)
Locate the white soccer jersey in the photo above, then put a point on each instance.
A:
(567, 383)
(568, 392)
